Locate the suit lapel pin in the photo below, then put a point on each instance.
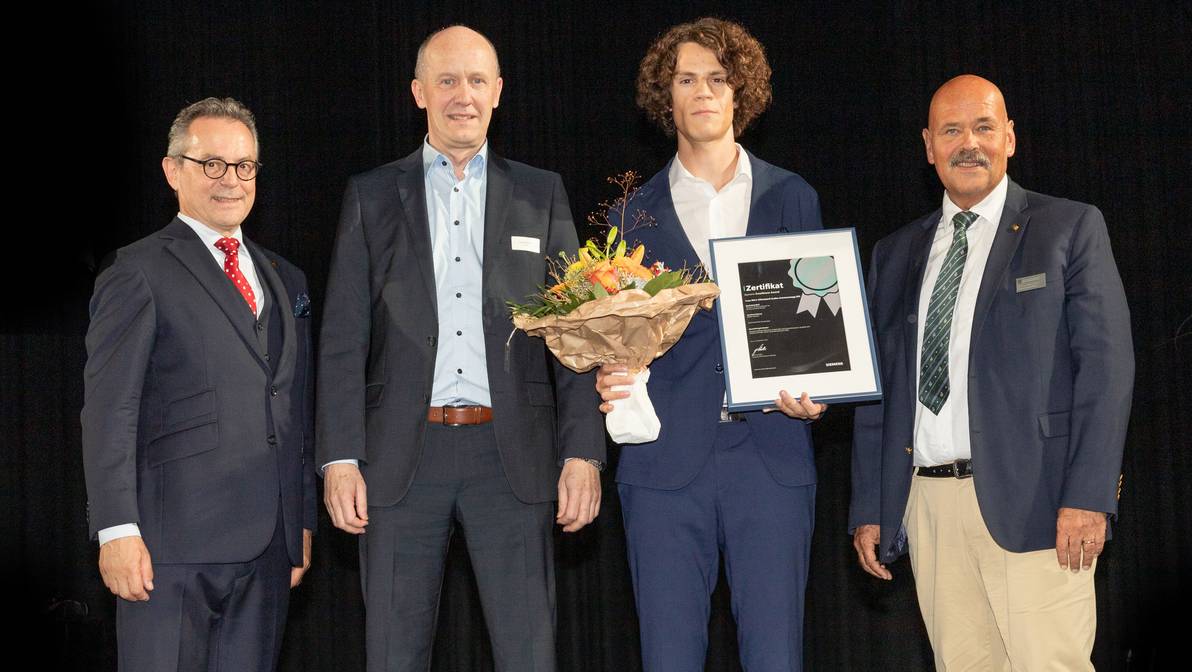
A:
(1014, 228)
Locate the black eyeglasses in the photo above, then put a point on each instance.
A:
(217, 168)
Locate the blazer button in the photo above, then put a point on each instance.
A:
(719, 368)
(271, 440)
(273, 390)
(912, 318)
(260, 327)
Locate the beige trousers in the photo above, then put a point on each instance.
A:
(987, 608)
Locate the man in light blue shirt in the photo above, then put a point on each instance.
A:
(429, 397)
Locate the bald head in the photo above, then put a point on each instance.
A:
(452, 36)
(969, 138)
(458, 83)
(967, 89)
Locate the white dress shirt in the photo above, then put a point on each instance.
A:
(944, 438)
(209, 237)
(707, 214)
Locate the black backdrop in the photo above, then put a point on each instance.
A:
(1099, 93)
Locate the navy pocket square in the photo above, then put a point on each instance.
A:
(302, 306)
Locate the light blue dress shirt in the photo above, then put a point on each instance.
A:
(455, 212)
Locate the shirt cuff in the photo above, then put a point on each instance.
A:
(117, 531)
(353, 462)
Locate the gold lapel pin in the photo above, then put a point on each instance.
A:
(1015, 228)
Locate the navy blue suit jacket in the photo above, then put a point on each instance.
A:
(687, 383)
(188, 429)
(1051, 373)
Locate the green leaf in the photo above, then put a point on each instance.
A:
(667, 280)
(599, 291)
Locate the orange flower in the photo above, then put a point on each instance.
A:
(633, 267)
(605, 275)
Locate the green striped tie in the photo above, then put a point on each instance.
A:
(933, 367)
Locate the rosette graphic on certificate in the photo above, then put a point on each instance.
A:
(793, 316)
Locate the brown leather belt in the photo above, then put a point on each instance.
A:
(454, 416)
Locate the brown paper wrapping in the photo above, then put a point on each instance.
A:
(630, 327)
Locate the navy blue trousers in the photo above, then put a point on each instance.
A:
(675, 537)
(209, 618)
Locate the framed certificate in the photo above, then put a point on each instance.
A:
(794, 316)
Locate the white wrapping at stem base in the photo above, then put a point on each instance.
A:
(633, 419)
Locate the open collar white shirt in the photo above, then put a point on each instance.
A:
(705, 213)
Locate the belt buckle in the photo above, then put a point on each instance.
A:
(452, 409)
(956, 471)
(447, 411)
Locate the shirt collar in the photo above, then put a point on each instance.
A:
(989, 209)
(208, 235)
(432, 157)
(679, 173)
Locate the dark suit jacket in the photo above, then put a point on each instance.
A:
(187, 429)
(377, 348)
(1051, 373)
(687, 383)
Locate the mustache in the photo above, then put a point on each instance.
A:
(968, 156)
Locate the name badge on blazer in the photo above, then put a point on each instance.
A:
(1029, 282)
(525, 244)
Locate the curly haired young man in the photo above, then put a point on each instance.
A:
(741, 484)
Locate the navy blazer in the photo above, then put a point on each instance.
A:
(1051, 373)
(188, 430)
(687, 383)
(380, 327)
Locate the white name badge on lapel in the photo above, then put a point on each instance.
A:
(525, 244)
(1029, 282)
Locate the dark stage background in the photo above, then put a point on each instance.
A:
(1099, 93)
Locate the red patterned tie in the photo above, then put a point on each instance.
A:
(230, 247)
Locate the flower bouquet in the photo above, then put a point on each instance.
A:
(606, 307)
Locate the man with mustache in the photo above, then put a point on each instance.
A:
(1008, 366)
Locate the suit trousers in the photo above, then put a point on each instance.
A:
(675, 537)
(986, 608)
(209, 617)
(460, 478)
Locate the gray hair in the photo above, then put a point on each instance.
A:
(420, 64)
(219, 108)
